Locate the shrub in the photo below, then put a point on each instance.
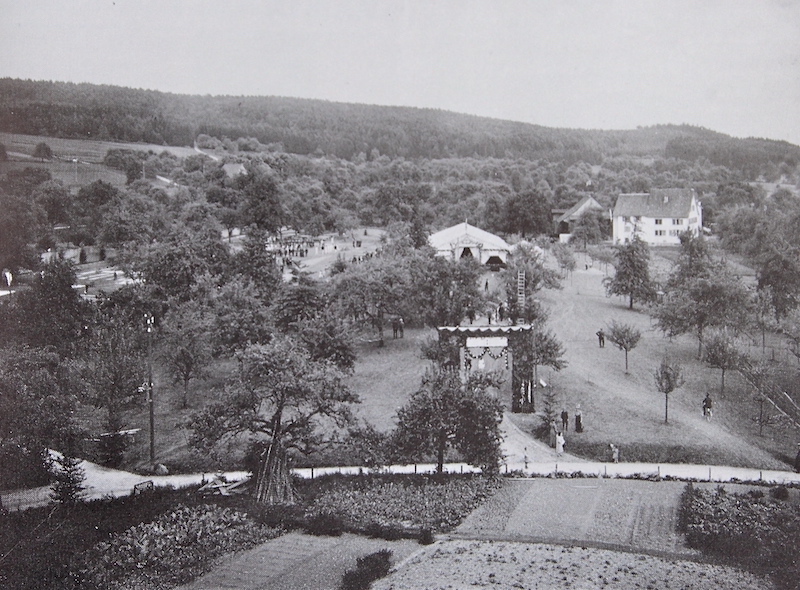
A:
(780, 493)
(368, 569)
(426, 536)
(325, 524)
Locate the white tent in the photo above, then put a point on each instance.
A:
(467, 241)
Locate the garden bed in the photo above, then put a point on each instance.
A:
(757, 530)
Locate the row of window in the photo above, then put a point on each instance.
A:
(638, 218)
(663, 232)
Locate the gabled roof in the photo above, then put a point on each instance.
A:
(658, 203)
(585, 202)
(464, 233)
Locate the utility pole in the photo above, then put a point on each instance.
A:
(149, 320)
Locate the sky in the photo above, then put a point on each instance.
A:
(728, 65)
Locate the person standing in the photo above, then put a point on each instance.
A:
(564, 420)
(401, 325)
(614, 453)
(560, 444)
(578, 419)
(601, 338)
(553, 433)
(395, 327)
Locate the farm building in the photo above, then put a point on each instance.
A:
(467, 241)
(657, 217)
(564, 219)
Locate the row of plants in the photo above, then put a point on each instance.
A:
(173, 549)
(167, 537)
(754, 530)
(407, 503)
(55, 547)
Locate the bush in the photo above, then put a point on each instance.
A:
(368, 569)
(426, 536)
(780, 493)
(325, 524)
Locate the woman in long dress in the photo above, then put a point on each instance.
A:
(560, 444)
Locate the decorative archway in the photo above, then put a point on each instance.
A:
(494, 348)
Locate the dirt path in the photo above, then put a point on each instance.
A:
(626, 408)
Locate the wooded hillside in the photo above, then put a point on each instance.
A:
(304, 126)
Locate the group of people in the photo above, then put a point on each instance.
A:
(398, 327)
(557, 440)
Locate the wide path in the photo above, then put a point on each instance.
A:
(630, 515)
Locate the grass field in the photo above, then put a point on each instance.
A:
(70, 174)
(89, 150)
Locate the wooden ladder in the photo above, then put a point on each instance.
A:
(520, 295)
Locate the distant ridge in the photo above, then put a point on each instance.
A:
(308, 126)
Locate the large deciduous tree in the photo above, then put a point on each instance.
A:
(446, 413)
(186, 346)
(366, 293)
(441, 291)
(632, 276)
(284, 398)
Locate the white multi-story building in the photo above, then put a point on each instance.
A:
(657, 217)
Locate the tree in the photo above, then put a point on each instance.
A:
(721, 352)
(625, 337)
(448, 414)
(281, 397)
(186, 347)
(565, 257)
(38, 394)
(365, 293)
(441, 291)
(529, 213)
(541, 349)
(632, 276)
(694, 260)
(42, 151)
(668, 377)
(591, 227)
(19, 230)
(700, 303)
(50, 313)
(527, 259)
(68, 477)
(115, 370)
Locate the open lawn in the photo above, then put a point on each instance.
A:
(626, 409)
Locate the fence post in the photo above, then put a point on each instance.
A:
(312, 473)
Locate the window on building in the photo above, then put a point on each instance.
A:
(658, 221)
(660, 232)
(677, 222)
(674, 232)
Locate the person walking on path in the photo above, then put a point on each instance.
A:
(601, 338)
(564, 420)
(560, 444)
(578, 419)
(707, 405)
